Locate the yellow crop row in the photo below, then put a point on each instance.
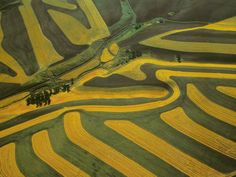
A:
(78, 135)
(61, 4)
(43, 149)
(177, 119)
(230, 91)
(158, 41)
(75, 31)
(162, 149)
(163, 75)
(8, 166)
(211, 108)
(43, 48)
(11, 63)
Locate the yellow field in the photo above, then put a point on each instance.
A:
(61, 4)
(78, 135)
(132, 70)
(211, 108)
(110, 52)
(228, 24)
(162, 149)
(8, 101)
(11, 63)
(177, 119)
(159, 42)
(82, 93)
(99, 28)
(8, 166)
(40, 119)
(46, 153)
(114, 48)
(230, 91)
(75, 31)
(106, 55)
(43, 48)
(163, 75)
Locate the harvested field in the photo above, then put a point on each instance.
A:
(230, 91)
(8, 166)
(177, 119)
(47, 154)
(78, 135)
(163, 150)
(213, 109)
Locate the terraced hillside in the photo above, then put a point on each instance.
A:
(117, 88)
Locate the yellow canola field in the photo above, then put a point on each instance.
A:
(230, 91)
(79, 136)
(114, 48)
(43, 48)
(225, 25)
(75, 31)
(43, 149)
(211, 108)
(61, 4)
(163, 75)
(83, 93)
(110, 52)
(177, 119)
(8, 166)
(162, 149)
(228, 24)
(106, 55)
(99, 28)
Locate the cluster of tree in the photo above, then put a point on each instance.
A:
(130, 55)
(42, 97)
(178, 58)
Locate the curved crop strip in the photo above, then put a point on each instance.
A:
(51, 30)
(11, 63)
(184, 64)
(163, 75)
(228, 24)
(159, 42)
(177, 119)
(78, 135)
(132, 70)
(82, 93)
(47, 154)
(162, 149)
(8, 166)
(74, 30)
(29, 163)
(7, 102)
(211, 108)
(230, 91)
(209, 89)
(99, 28)
(16, 40)
(106, 55)
(43, 48)
(61, 4)
(30, 123)
(76, 155)
(202, 118)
